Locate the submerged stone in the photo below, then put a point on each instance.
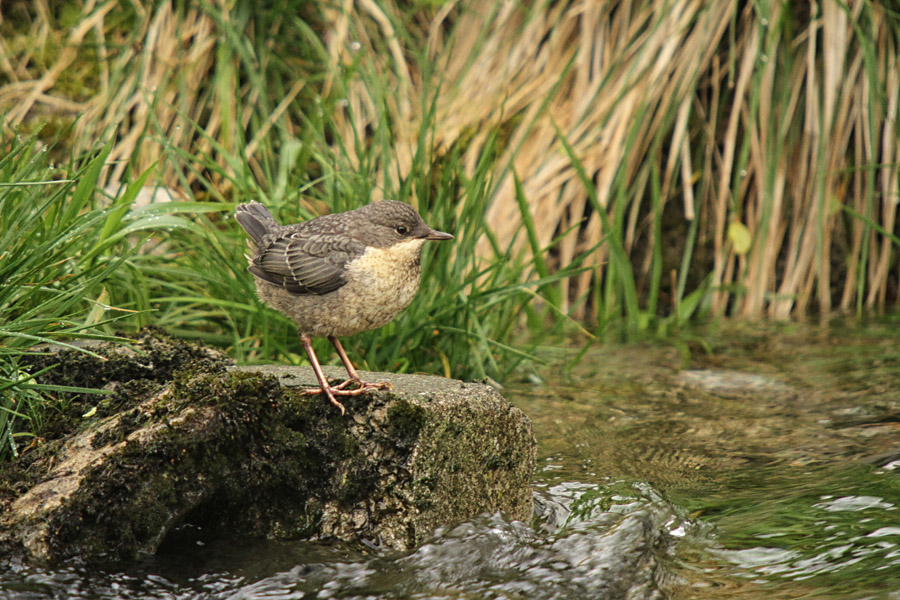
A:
(242, 450)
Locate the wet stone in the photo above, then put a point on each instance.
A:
(241, 450)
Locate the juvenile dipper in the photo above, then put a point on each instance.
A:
(339, 274)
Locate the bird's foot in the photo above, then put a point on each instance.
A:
(341, 388)
(331, 391)
(364, 386)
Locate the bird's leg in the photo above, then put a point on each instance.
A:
(324, 387)
(320, 376)
(351, 371)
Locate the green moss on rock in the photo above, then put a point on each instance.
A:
(405, 422)
(242, 451)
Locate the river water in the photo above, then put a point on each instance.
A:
(744, 464)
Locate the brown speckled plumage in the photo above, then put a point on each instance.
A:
(338, 274)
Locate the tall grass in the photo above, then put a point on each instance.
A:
(701, 158)
(67, 270)
(738, 158)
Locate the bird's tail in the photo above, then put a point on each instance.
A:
(256, 220)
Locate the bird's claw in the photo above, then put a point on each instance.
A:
(365, 385)
(341, 390)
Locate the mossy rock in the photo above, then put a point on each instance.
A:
(242, 450)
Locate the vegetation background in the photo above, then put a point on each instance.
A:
(609, 168)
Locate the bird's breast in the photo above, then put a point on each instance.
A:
(381, 283)
(392, 273)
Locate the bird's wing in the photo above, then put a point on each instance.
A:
(306, 263)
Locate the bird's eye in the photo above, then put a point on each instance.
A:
(401, 229)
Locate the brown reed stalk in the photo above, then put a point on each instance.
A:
(800, 119)
(780, 127)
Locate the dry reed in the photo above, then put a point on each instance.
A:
(750, 131)
(777, 132)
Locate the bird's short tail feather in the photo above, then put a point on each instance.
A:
(256, 220)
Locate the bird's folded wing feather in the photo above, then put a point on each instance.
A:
(311, 264)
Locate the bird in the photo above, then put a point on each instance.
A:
(338, 274)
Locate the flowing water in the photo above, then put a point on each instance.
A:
(764, 467)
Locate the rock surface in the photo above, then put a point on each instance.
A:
(241, 450)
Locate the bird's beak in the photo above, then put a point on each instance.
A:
(438, 235)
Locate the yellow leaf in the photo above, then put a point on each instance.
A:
(834, 206)
(739, 236)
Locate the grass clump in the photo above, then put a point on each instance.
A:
(71, 272)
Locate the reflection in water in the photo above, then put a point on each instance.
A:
(769, 469)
